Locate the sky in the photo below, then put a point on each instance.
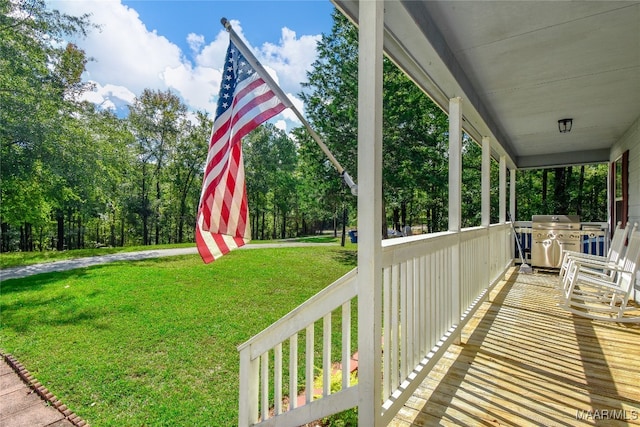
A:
(180, 45)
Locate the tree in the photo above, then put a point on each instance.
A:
(114, 162)
(284, 163)
(471, 183)
(415, 149)
(156, 119)
(185, 171)
(321, 191)
(270, 162)
(330, 97)
(413, 129)
(39, 76)
(584, 194)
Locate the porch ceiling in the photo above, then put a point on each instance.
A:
(521, 66)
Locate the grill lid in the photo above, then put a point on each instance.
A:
(556, 221)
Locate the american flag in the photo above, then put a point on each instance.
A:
(244, 102)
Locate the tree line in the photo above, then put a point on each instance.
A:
(415, 144)
(76, 176)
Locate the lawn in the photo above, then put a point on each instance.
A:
(154, 342)
(16, 259)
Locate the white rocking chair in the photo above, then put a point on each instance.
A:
(614, 255)
(605, 298)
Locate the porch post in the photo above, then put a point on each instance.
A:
(486, 181)
(503, 190)
(512, 206)
(455, 202)
(370, 213)
(455, 163)
(486, 207)
(512, 194)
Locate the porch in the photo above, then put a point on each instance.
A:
(523, 360)
(441, 336)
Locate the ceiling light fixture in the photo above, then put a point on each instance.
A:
(564, 125)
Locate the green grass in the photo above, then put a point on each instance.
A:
(306, 239)
(16, 259)
(154, 342)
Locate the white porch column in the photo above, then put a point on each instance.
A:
(486, 182)
(512, 194)
(455, 163)
(370, 212)
(512, 204)
(503, 190)
(486, 206)
(455, 202)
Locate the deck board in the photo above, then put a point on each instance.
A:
(525, 361)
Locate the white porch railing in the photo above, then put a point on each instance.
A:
(261, 404)
(424, 308)
(432, 284)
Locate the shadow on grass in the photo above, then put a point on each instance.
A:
(319, 239)
(39, 280)
(345, 257)
(61, 310)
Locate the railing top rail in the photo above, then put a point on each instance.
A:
(398, 241)
(389, 244)
(401, 249)
(498, 224)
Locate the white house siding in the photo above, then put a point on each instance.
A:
(631, 141)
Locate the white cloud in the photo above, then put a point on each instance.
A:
(289, 115)
(195, 41)
(198, 86)
(120, 92)
(108, 105)
(129, 58)
(212, 55)
(291, 58)
(126, 53)
(106, 96)
(281, 124)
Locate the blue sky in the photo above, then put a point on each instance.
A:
(180, 45)
(261, 21)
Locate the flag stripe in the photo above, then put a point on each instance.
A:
(246, 116)
(247, 127)
(232, 129)
(244, 102)
(226, 122)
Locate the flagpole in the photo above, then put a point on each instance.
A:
(287, 102)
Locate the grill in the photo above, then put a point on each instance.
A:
(550, 236)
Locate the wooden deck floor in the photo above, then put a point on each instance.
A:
(525, 361)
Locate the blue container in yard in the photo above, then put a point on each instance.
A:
(353, 235)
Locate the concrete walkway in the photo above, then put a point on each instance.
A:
(24, 406)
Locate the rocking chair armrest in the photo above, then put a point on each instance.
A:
(609, 267)
(592, 264)
(590, 272)
(599, 282)
(579, 255)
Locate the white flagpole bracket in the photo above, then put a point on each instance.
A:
(287, 102)
(349, 181)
